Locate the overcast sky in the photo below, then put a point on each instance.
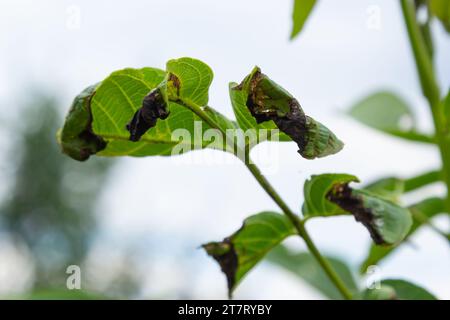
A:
(173, 206)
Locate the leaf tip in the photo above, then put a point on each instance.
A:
(320, 141)
(225, 254)
(76, 138)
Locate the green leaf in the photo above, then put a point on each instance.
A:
(384, 292)
(194, 77)
(300, 12)
(112, 105)
(395, 289)
(305, 266)
(240, 252)
(388, 113)
(441, 9)
(383, 111)
(427, 208)
(269, 102)
(320, 141)
(408, 291)
(315, 193)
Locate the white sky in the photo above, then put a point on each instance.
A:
(171, 208)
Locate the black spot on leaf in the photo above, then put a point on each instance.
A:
(154, 107)
(342, 195)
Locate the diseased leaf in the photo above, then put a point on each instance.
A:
(247, 122)
(306, 267)
(315, 193)
(187, 81)
(118, 101)
(395, 289)
(387, 222)
(240, 252)
(388, 113)
(427, 208)
(330, 194)
(441, 9)
(267, 101)
(76, 137)
(300, 13)
(162, 111)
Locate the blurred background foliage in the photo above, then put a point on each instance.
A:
(49, 208)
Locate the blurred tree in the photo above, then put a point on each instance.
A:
(50, 203)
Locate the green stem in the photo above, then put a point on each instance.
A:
(429, 86)
(265, 184)
(300, 229)
(424, 64)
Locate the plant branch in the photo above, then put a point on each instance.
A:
(429, 86)
(424, 64)
(337, 281)
(265, 184)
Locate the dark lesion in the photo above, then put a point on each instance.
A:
(269, 102)
(93, 143)
(294, 125)
(173, 82)
(154, 107)
(225, 254)
(343, 196)
(255, 97)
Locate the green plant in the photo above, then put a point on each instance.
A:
(149, 112)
